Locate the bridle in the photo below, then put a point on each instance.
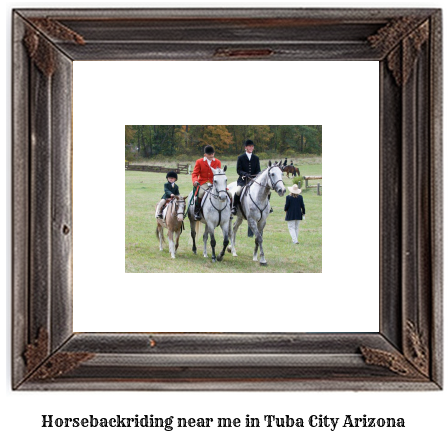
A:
(219, 191)
(271, 187)
(179, 206)
(270, 177)
(209, 192)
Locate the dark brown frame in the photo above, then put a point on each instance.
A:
(406, 354)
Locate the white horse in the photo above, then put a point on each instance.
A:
(215, 212)
(174, 217)
(254, 206)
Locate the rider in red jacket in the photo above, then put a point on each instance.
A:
(202, 174)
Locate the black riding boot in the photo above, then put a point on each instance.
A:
(197, 209)
(236, 201)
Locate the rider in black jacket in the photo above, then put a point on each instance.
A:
(248, 165)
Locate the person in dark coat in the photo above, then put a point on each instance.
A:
(285, 163)
(170, 190)
(247, 165)
(295, 212)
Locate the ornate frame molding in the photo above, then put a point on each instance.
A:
(406, 354)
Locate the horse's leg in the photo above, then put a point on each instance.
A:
(177, 234)
(225, 231)
(160, 234)
(260, 229)
(193, 234)
(205, 237)
(213, 243)
(171, 243)
(238, 222)
(253, 226)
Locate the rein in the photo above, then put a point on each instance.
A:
(254, 180)
(260, 210)
(261, 185)
(209, 192)
(173, 203)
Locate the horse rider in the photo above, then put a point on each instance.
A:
(202, 176)
(285, 163)
(171, 190)
(293, 169)
(248, 164)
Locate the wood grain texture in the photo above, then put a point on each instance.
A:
(406, 354)
(391, 233)
(436, 195)
(20, 202)
(61, 201)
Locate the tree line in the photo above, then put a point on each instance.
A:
(149, 141)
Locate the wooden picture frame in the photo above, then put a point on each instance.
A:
(406, 353)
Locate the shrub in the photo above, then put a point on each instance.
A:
(263, 156)
(299, 181)
(130, 155)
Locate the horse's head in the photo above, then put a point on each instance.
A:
(220, 183)
(179, 205)
(275, 178)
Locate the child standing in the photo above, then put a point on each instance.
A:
(295, 212)
(171, 190)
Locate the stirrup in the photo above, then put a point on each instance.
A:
(197, 215)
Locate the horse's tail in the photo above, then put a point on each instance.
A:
(197, 227)
(159, 231)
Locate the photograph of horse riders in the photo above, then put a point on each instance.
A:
(222, 198)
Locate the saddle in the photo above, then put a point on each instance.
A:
(243, 194)
(165, 209)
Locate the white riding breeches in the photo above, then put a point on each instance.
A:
(202, 190)
(160, 205)
(293, 227)
(238, 190)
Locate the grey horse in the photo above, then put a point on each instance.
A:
(254, 206)
(215, 212)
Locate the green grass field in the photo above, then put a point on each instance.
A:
(144, 190)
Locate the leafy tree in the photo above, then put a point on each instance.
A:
(129, 133)
(170, 140)
(218, 136)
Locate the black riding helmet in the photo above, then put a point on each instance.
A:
(171, 174)
(209, 149)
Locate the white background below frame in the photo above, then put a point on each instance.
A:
(341, 96)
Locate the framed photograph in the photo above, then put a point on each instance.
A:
(239, 191)
(50, 49)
